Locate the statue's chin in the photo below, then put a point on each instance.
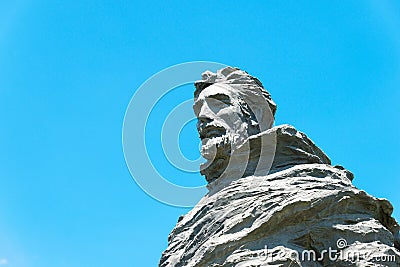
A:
(217, 152)
(210, 146)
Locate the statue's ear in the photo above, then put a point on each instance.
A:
(254, 126)
(263, 116)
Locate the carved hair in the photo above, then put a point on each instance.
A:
(241, 80)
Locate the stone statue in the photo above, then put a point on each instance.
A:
(274, 199)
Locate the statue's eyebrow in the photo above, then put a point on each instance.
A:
(221, 97)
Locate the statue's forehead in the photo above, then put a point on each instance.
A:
(217, 88)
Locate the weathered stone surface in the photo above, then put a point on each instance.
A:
(274, 199)
(289, 148)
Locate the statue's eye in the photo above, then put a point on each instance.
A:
(222, 98)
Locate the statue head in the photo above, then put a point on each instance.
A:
(230, 106)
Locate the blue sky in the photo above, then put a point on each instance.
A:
(68, 70)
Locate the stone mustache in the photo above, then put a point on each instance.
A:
(274, 199)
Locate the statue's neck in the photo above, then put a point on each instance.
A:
(273, 150)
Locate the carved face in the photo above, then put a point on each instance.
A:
(222, 125)
(219, 112)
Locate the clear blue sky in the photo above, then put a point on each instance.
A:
(69, 68)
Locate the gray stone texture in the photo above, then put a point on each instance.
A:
(281, 203)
